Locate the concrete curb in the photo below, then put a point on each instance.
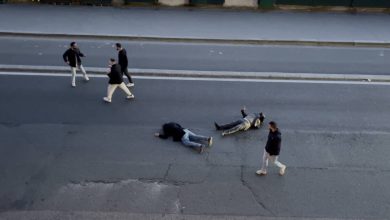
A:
(207, 74)
(302, 42)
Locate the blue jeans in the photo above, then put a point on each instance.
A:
(192, 140)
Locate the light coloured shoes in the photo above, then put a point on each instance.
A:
(261, 173)
(210, 141)
(130, 97)
(74, 85)
(282, 171)
(86, 79)
(130, 84)
(107, 99)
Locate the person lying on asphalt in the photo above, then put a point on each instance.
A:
(252, 120)
(188, 138)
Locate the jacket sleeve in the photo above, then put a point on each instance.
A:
(65, 56)
(277, 143)
(244, 114)
(163, 136)
(80, 54)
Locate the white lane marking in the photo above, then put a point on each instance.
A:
(207, 79)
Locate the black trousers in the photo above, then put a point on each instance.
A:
(126, 73)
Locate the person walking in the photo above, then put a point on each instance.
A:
(253, 120)
(187, 137)
(272, 150)
(123, 62)
(72, 58)
(116, 80)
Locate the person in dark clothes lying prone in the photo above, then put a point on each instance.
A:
(253, 120)
(188, 138)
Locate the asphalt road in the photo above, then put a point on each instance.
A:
(63, 149)
(207, 57)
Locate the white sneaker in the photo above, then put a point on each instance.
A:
(210, 141)
(282, 171)
(130, 97)
(86, 78)
(107, 99)
(261, 173)
(73, 85)
(130, 84)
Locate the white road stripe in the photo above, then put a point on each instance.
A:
(206, 79)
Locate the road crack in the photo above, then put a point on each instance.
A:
(245, 184)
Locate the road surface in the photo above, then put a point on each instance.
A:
(64, 149)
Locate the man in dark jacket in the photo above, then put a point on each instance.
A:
(116, 80)
(272, 150)
(123, 62)
(253, 120)
(72, 58)
(188, 138)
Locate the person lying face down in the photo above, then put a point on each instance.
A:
(188, 138)
(251, 120)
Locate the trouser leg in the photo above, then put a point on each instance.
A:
(126, 73)
(230, 125)
(275, 161)
(186, 141)
(239, 127)
(264, 164)
(110, 90)
(197, 138)
(73, 71)
(124, 88)
(84, 72)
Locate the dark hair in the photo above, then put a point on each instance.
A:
(112, 59)
(273, 125)
(118, 45)
(72, 44)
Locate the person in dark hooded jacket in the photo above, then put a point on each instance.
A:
(272, 150)
(123, 62)
(188, 138)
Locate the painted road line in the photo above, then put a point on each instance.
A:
(206, 79)
(206, 74)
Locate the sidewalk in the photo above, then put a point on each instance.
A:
(189, 24)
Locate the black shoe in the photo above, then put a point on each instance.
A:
(217, 126)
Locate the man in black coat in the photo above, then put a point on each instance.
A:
(251, 120)
(272, 150)
(188, 138)
(72, 58)
(123, 62)
(116, 80)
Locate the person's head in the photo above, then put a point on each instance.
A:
(73, 45)
(112, 61)
(262, 117)
(273, 126)
(118, 46)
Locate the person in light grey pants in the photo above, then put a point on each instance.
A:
(72, 58)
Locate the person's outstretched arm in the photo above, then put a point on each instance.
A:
(244, 114)
(162, 136)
